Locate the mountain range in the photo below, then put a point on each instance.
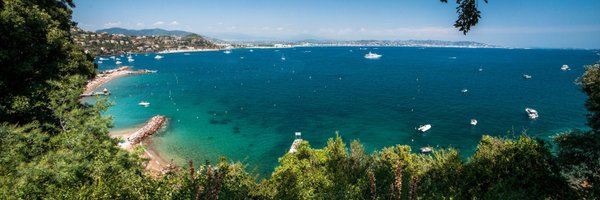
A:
(145, 32)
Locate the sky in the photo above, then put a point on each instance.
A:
(509, 23)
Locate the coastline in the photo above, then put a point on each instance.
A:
(107, 76)
(156, 164)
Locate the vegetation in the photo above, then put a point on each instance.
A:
(53, 147)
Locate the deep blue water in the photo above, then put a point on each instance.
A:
(248, 109)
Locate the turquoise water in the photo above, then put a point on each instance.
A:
(248, 109)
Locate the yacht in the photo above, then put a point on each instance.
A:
(118, 62)
(525, 76)
(372, 55)
(424, 128)
(130, 60)
(533, 114)
(144, 103)
(158, 57)
(426, 149)
(565, 68)
(227, 52)
(474, 122)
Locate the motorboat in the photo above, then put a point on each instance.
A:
(158, 57)
(480, 69)
(426, 149)
(130, 60)
(525, 76)
(118, 62)
(464, 90)
(565, 68)
(533, 114)
(101, 58)
(251, 50)
(99, 62)
(424, 128)
(227, 51)
(372, 55)
(474, 122)
(144, 103)
(282, 58)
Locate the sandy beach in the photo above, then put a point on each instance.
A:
(109, 75)
(156, 164)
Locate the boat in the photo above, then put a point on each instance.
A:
(464, 90)
(158, 57)
(480, 69)
(118, 62)
(130, 60)
(565, 68)
(113, 57)
(251, 50)
(525, 76)
(144, 103)
(424, 128)
(474, 122)
(282, 58)
(227, 52)
(533, 114)
(117, 59)
(186, 54)
(426, 149)
(129, 57)
(99, 62)
(362, 48)
(101, 58)
(372, 55)
(151, 71)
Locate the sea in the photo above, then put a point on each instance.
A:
(247, 105)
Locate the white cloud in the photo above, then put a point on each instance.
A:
(158, 23)
(174, 23)
(112, 24)
(139, 24)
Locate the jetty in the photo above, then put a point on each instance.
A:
(151, 127)
(296, 143)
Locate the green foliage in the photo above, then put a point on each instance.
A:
(468, 14)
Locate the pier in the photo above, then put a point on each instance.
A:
(151, 127)
(296, 143)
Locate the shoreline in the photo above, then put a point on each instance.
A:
(107, 76)
(156, 164)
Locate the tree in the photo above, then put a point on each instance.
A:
(468, 14)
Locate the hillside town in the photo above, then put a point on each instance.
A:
(115, 44)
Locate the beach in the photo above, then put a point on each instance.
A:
(140, 136)
(107, 76)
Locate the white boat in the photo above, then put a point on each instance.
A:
(186, 54)
(480, 69)
(144, 103)
(103, 58)
(118, 62)
(129, 57)
(525, 76)
(372, 55)
(158, 57)
(282, 58)
(565, 68)
(99, 62)
(426, 149)
(251, 50)
(113, 57)
(130, 60)
(424, 128)
(151, 71)
(533, 114)
(227, 52)
(117, 59)
(474, 122)
(464, 90)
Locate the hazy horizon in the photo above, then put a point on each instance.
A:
(510, 23)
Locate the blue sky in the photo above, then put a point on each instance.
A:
(511, 23)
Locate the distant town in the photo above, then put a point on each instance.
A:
(117, 41)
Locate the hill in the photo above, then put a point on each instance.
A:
(145, 32)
